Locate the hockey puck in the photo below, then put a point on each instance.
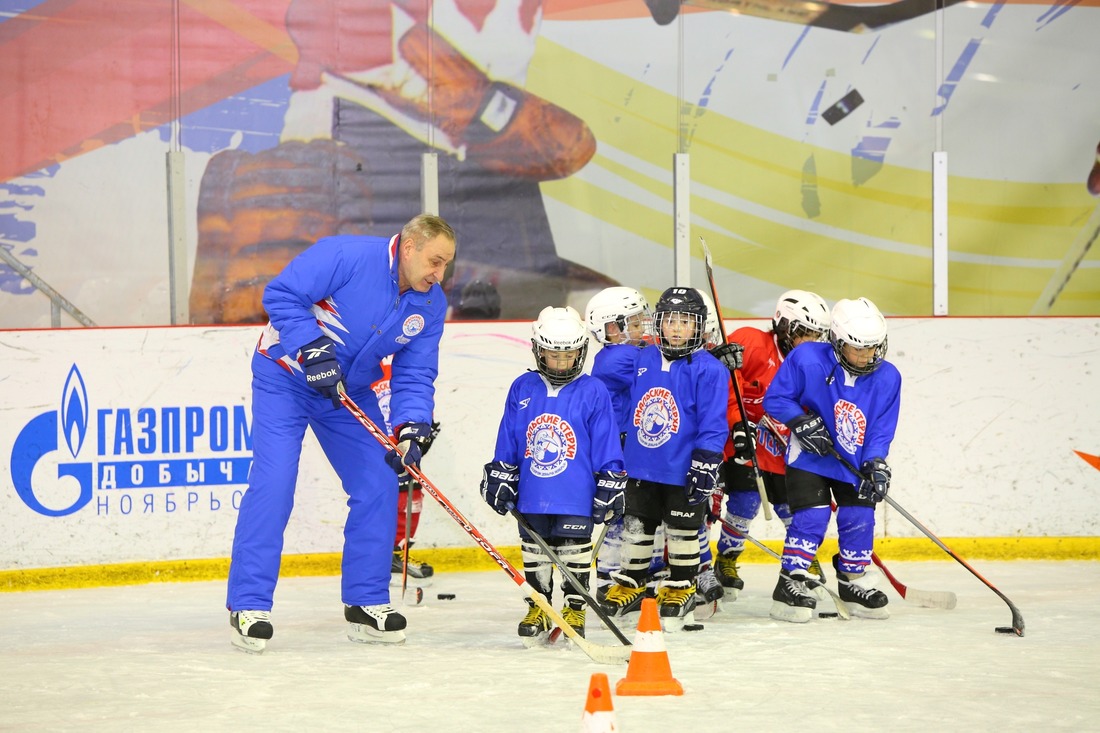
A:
(828, 614)
(693, 627)
(445, 596)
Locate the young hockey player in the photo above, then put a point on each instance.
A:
(558, 461)
(673, 451)
(617, 315)
(841, 396)
(799, 316)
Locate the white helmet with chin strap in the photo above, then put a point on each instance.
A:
(711, 333)
(800, 313)
(615, 305)
(860, 324)
(559, 329)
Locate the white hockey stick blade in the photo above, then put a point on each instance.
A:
(413, 596)
(931, 598)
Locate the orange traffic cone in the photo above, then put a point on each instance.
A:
(649, 672)
(599, 714)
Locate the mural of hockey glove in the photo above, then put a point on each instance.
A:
(499, 483)
(323, 372)
(411, 438)
(256, 211)
(610, 501)
(731, 354)
(702, 478)
(494, 124)
(811, 433)
(876, 480)
(743, 436)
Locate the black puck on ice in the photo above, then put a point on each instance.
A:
(693, 627)
(446, 596)
(832, 614)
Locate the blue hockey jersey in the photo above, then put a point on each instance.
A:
(345, 287)
(860, 412)
(676, 407)
(559, 437)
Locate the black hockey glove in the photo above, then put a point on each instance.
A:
(743, 436)
(811, 433)
(876, 480)
(498, 486)
(430, 440)
(731, 354)
(702, 478)
(323, 372)
(411, 438)
(610, 501)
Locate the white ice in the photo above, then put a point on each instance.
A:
(158, 658)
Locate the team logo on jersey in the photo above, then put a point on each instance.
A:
(851, 425)
(657, 417)
(551, 444)
(413, 325)
(382, 392)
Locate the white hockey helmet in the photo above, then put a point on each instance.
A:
(558, 330)
(800, 313)
(860, 324)
(617, 305)
(712, 334)
(677, 305)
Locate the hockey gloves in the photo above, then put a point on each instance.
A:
(731, 354)
(702, 478)
(412, 437)
(498, 486)
(876, 480)
(743, 437)
(610, 501)
(323, 372)
(811, 433)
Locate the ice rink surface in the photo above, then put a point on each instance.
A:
(158, 658)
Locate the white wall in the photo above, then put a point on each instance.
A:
(993, 410)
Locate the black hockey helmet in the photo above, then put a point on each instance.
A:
(678, 309)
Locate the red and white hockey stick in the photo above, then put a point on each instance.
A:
(925, 598)
(596, 652)
(1017, 618)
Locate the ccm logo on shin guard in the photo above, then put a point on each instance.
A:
(574, 526)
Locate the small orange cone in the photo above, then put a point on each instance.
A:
(649, 672)
(599, 714)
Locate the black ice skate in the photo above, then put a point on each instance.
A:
(792, 600)
(379, 624)
(534, 629)
(676, 603)
(859, 591)
(419, 571)
(252, 630)
(725, 569)
(708, 593)
(623, 596)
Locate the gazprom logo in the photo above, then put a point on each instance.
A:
(40, 438)
(141, 454)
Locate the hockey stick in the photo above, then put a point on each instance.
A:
(1017, 618)
(574, 581)
(417, 592)
(736, 389)
(841, 606)
(925, 598)
(596, 652)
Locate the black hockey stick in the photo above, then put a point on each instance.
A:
(596, 652)
(1017, 618)
(841, 606)
(736, 389)
(926, 598)
(573, 580)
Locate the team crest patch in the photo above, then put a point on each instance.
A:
(657, 417)
(851, 425)
(551, 444)
(413, 325)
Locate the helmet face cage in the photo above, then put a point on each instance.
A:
(559, 330)
(858, 323)
(799, 313)
(626, 308)
(678, 311)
